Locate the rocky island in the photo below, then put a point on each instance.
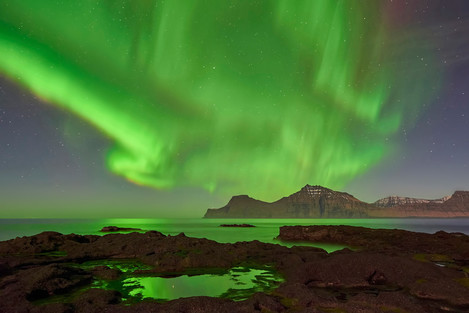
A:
(114, 229)
(237, 225)
(321, 202)
(387, 271)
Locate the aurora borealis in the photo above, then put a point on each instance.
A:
(253, 97)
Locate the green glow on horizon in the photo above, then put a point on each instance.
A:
(239, 97)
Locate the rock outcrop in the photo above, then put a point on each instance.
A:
(454, 245)
(114, 229)
(389, 271)
(237, 225)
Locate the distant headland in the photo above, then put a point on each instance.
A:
(321, 202)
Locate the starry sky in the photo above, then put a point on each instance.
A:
(165, 108)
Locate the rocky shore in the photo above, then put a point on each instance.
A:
(385, 271)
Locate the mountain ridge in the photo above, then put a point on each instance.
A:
(398, 200)
(320, 202)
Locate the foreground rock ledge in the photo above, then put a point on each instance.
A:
(392, 271)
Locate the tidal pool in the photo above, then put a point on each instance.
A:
(237, 283)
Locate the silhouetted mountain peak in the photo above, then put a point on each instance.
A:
(316, 190)
(309, 202)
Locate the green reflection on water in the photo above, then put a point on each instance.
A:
(238, 284)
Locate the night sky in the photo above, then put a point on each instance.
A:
(166, 108)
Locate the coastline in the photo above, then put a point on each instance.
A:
(401, 274)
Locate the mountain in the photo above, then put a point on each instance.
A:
(321, 202)
(456, 205)
(309, 202)
(396, 200)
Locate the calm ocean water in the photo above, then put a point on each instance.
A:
(266, 229)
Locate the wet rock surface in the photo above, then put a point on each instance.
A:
(455, 245)
(390, 271)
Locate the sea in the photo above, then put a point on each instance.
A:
(237, 283)
(265, 230)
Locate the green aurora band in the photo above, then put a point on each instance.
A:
(257, 97)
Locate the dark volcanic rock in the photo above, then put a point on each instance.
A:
(111, 229)
(96, 300)
(35, 283)
(237, 225)
(396, 240)
(394, 271)
(105, 272)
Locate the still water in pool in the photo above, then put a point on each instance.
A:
(237, 283)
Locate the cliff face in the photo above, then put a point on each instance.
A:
(320, 202)
(309, 202)
(241, 206)
(456, 205)
(396, 200)
(317, 202)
